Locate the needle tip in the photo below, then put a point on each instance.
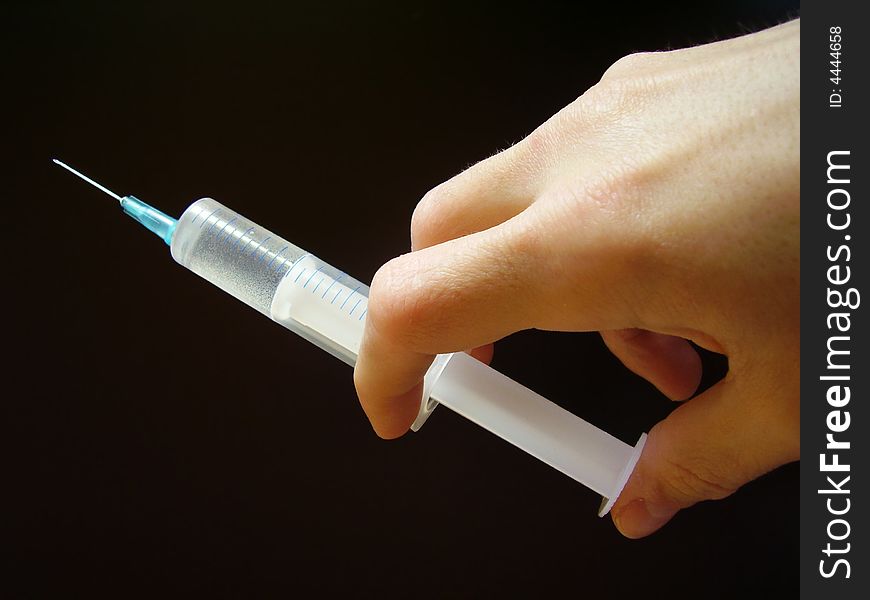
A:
(88, 179)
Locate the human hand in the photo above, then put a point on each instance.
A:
(659, 207)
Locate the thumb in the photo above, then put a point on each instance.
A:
(705, 450)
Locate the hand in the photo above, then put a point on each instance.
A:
(659, 207)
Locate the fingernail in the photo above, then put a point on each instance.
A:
(640, 518)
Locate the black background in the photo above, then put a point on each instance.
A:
(162, 439)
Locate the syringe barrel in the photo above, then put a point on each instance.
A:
(328, 308)
(234, 253)
(272, 275)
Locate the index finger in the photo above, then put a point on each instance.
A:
(465, 293)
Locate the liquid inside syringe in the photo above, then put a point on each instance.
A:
(328, 308)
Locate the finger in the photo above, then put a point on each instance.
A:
(484, 195)
(668, 362)
(704, 450)
(483, 353)
(466, 293)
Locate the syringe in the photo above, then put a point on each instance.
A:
(328, 308)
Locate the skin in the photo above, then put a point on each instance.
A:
(660, 206)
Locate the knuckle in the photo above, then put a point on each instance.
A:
(386, 301)
(614, 97)
(522, 240)
(535, 155)
(429, 214)
(542, 140)
(399, 306)
(629, 64)
(690, 481)
(521, 259)
(615, 193)
(596, 112)
(629, 84)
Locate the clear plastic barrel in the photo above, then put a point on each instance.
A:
(270, 274)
